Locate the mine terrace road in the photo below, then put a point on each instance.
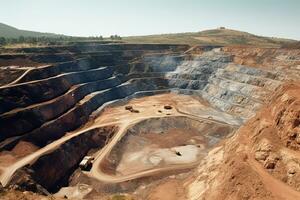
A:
(103, 153)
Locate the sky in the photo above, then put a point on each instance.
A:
(276, 18)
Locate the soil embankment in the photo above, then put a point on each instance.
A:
(261, 161)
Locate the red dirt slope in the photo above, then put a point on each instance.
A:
(262, 161)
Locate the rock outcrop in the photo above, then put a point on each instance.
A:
(261, 161)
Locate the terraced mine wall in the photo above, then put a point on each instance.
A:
(263, 152)
(208, 129)
(50, 101)
(152, 74)
(206, 74)
(52, 175)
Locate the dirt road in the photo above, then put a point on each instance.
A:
(123, 119)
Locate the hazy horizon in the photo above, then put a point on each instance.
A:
(273, 18)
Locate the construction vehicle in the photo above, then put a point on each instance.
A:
(86, 163)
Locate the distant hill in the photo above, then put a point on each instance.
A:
(295, 45)
(211, 37)
(208, 37)
(12, 32)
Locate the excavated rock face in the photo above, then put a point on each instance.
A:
(48, 113)
(287, 118)
(261, 161)
(52, 175)
(282, 59)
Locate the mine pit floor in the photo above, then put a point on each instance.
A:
(149, 108)
(147, 143)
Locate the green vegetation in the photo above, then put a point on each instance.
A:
(36, 41)
(211, 37)
(12, 32)
(13, 37)
(115, 37)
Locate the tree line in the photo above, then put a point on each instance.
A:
(52, 40)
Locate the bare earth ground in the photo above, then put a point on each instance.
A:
(19, 62)
(148, 107)
(174, 137)
(168, 190)
(18, 195)
(261, 161)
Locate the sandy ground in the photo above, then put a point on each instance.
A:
(151, 157)
(149, 150)
(154, 106)
(162, 145)
(76, 192)
(169, 190)
(24, 148)
(174, 137)
(147, 107)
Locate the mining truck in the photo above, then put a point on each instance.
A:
(86, 163)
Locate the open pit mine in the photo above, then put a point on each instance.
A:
(150, 121)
